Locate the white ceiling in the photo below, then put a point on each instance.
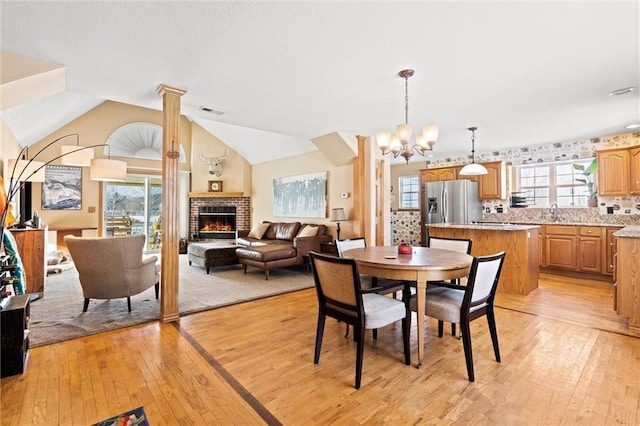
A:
(525, 73)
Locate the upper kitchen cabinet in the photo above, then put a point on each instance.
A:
(634, 171)
(439, 173)
(493, 185)
(614, 172)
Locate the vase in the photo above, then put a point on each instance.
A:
(592, 202)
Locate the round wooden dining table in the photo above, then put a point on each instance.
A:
(422, 265)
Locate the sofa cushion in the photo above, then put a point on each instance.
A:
(308, 231)
(282, 231)
(266, 253)
(322, 229)
(258, 230)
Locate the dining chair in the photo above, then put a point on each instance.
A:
(464, 303)
(386, 286)
(341, 296)
(456, 244)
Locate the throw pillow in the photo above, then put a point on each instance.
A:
(258, 231)
(308, 231)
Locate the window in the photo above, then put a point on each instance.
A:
(409, 192)
(139, 199)
(544, 184)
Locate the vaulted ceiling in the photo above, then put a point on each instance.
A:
(284, 73)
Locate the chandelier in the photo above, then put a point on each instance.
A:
(398, 144)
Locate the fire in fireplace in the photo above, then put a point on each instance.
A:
(217, 222)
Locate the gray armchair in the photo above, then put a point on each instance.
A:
(112, 267)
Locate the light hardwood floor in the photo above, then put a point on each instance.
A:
(253, 364)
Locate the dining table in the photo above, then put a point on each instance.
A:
(421, 265)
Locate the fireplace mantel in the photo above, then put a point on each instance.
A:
(214, 194)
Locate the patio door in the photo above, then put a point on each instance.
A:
(133, 207)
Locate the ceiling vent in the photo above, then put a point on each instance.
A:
(211, 110)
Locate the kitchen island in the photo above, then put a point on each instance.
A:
(627, 276)
(520, 270)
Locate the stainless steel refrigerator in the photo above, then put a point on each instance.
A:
(452, 201)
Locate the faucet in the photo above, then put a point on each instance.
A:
(553, 209)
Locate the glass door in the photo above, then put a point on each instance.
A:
(133, 207)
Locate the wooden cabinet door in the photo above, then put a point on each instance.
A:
(610, 242)
(590, 254)
(541, 247)
(439, 173)
(634, 171)
(492, 186)
(613, 172)
(32, 244)
(447, 173)
(560, 251)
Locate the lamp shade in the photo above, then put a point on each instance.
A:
(383, 138)
(473, 169)
(103, 169)
(430, 133)
(75, 155)
(337, 215)
(26, 170)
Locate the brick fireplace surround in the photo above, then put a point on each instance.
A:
(242, 204)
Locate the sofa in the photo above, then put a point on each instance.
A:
(271, 245)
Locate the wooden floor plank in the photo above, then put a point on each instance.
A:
(243, 363)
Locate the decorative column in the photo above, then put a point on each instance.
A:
(170, 206)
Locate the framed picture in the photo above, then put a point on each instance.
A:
(301, 196)
(215, 186)
(62, 188)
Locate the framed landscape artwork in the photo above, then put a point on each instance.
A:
(62, 188)
(301, 196)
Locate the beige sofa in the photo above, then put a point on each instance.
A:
(280, 245)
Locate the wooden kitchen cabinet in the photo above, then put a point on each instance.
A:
(627, 290)
(590, 249)
(541, 245)
(613, 172)
(439, 173)
(610, 249)
(560, 247)
(493, 185)
(634, 171)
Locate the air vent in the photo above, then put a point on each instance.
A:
(211, 110)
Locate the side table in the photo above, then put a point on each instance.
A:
(329, 248)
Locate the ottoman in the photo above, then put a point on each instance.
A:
(269, 256)
(210, 255)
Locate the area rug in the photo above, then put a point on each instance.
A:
(58, 315)
(135, 417)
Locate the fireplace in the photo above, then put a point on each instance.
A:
(217, 222)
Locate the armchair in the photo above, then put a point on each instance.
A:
(112, 267)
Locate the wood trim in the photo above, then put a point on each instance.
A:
(215, 194)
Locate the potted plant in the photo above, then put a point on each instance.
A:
(588, 179)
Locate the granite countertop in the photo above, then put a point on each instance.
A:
(632, 231)
(604, 225)
(485, 226)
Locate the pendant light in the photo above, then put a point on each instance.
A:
(473, 168)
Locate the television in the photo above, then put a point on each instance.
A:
(26, 206)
